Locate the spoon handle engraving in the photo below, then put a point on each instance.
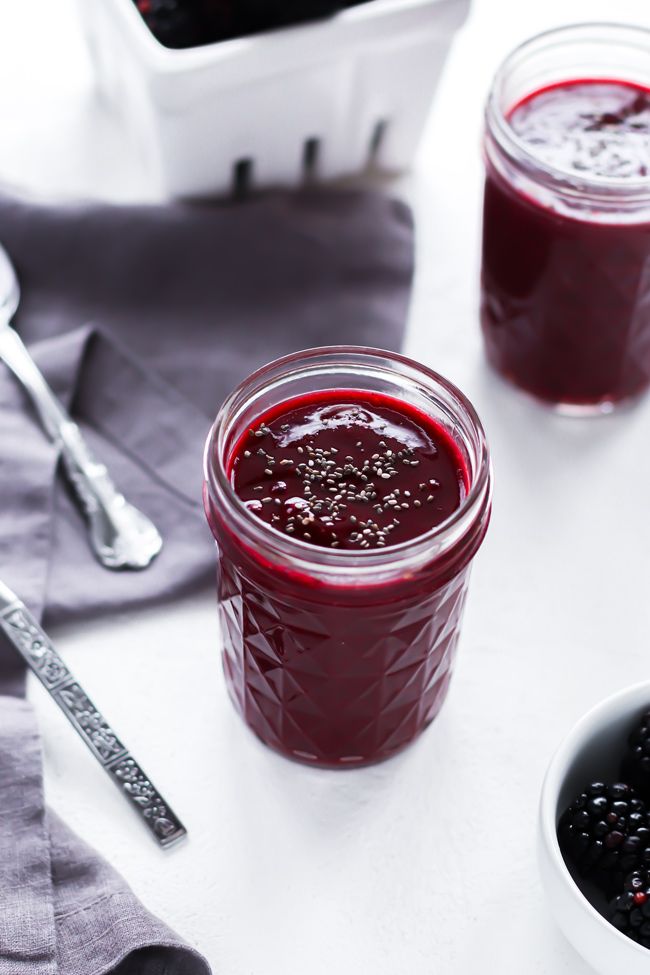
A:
(38, 652)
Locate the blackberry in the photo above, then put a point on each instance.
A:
(175, 23)
(190, 23)
(630, 911)
(243, 17)
(605, 834)
(635, 767)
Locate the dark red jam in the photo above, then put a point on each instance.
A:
(566, 290)
(352, 471)
(344, 671)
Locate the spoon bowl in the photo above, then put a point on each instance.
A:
(9, 289)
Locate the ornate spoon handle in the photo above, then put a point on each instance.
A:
(36, 649)
(121, 536)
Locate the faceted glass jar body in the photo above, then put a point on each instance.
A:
(335, 657)
(565, 283)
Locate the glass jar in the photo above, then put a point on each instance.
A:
(565, 285)
(338, 657)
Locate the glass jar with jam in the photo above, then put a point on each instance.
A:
(348, 491)
(565, 286)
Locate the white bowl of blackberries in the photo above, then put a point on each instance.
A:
(594, 838)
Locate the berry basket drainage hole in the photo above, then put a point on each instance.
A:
(242, 178)
(377, 139)
(310, 159)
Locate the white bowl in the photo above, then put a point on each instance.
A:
(319, 101)
(590, 752)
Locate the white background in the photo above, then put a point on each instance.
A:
(424, 864)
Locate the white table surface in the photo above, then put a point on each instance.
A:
(425, 864)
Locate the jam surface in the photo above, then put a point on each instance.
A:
(565, 295)
(595, 128)
(349, 469)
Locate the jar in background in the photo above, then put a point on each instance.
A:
(565, 285)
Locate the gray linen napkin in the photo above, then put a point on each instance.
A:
(63, 910)
(142, 319)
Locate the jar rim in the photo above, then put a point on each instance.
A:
(498, 125)
(440, 538)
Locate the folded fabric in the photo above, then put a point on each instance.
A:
(143, 319)
(63, 910)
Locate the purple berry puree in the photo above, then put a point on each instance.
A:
(349, 470)
(566, 289)
(342, 670)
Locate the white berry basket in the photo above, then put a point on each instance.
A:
(319, 101)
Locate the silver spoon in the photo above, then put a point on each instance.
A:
(38, 652)
(120, 535)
